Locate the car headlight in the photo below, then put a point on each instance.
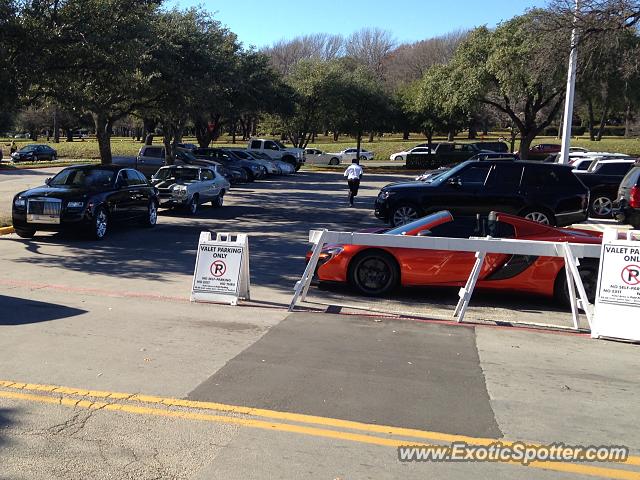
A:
(75, 204)
(330, 253)
(20, 202)
(383, 195)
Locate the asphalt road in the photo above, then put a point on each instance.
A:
(107, 370)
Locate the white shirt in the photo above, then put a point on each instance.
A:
(353, 171)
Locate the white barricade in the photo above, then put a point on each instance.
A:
(617, 310)
(571, 252)
(221, 273)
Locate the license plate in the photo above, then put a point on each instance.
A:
(33, 218)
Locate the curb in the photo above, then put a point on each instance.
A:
(6, 230)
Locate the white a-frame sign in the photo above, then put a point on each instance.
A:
(221, 274)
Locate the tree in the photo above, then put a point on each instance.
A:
(519, 68)
(371, 46)
(90, 57)
(594, 17)
(285, 54)
(362, 102)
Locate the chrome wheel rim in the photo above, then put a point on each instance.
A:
(404, 215)
(538, 217)
(602, 206)
(101, 224)
(193, 206)
(153, 214)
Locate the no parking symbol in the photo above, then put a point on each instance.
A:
(631, 275)
(218, 268)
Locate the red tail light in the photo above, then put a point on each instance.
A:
(634, 199)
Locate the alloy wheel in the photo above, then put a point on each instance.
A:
(602, 206)
(101, 224)
(373, 274)
(402, 215)
(538, 217)
(193, 205)
(153, 214)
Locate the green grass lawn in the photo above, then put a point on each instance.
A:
(382, 147)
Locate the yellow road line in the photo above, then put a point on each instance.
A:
(299, 429)
(272, 414)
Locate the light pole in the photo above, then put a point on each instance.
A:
(571, 88)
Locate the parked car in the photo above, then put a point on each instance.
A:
(445, 154)
(580, 164)
(283, 167)
(313, 156)
(578, 150)
(494, 156)
(603, 180)
(497, 146)
(349, 154)
(86, 198)
(188, 146)
(430, 176)
(547, 193)
(34, 153)
(401, 156)
(377, 271)
(542, 151)
(627, 205)
(269, 167)
(190, 186)
(277, 151)
(228, 159)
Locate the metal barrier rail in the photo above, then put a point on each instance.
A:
(571, 252)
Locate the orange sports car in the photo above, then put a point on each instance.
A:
(378, 270)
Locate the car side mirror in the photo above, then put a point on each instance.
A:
(47, 181)
(455, 181)
(424, 233)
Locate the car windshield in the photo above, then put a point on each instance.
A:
(83, 177)
(241, 154)
(29, 148)
(421, 222)
(177, 173)
(280, 145)
(441, 177)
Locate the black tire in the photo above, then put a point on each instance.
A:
(54, 157)
(100, 224)
(250, 176)
(374, 273)
(218, 201)
(25, 232)
(362, 157)
(334, 161)
(588, 272)
(151, 218)
(403, 214)
(192, 207)
(601, 207)
(537, 215)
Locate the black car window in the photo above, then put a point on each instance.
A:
(241, 154)
(83, 177)
(475, 174)
(584, 166)
(632, 178)
(268, 145)
(614, 168)
(155, 152)
(255, 144)
(540, 177)
(141, 178)
(505, 175)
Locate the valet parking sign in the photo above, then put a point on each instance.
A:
(617, 311)
(222, 269)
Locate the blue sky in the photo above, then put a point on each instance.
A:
(261, 23)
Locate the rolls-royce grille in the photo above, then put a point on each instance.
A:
(44, 207)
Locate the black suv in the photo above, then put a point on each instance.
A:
(627, 206)
(546, 193)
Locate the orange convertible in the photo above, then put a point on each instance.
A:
(378, 270)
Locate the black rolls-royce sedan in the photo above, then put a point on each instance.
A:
(87, 198)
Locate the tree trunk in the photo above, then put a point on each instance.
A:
(371, 137)
(358, 142)
(166, 141)
(103, 135)
(336, 134)
(313, 137)
(405, 134)
(473, 131)
(627, 120)
(525, 143)
(603, 119)
(451, 135)
(592, 134)
(513, 139)
(56, 127)
(234, 127)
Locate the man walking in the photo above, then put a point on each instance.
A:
(354, 174)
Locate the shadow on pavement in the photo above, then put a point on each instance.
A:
(21, 311)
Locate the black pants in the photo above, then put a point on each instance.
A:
(354, 185)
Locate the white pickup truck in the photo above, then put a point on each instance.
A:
(277, 151)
